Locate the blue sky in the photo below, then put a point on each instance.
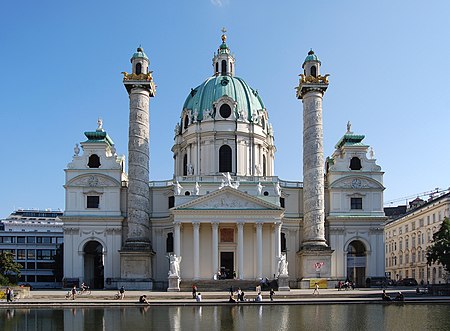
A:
(61, 64)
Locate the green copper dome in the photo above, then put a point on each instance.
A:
(139, 54)
(203, 96)
(311, 57)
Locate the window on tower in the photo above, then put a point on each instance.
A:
(355, 163)
(94, 161)
(93, 201)
(225, 158)
(264, 166)
(314, 71)
(186, 122)
(224, 67)
(185, 165)
(138, 68)
(356, 203)
(225, 110)
(217, 67)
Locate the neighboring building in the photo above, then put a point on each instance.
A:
(34, 236)
(224, 209)
(408, 237)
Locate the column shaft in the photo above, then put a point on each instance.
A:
(215, 247)
(240, 250)
(177, 239)
(196, 226)
(259, 252)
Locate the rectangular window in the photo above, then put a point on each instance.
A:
(413, 273)
(31, 265)
(400, 230)
(9, 240)
(44, 265)
(406, 228)
(21, 254)
(413, 225)
(93, 201)
(421, 222)
(59, 240)
(21, 240)
(406, 258)
(428, 220)
(434, 218)
(356, 203)
(406, 243)
(401, 244)
(31, 240)
(401, 259)
(43, 254)
(31, 254)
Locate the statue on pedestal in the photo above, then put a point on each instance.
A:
(282, 265)
(174, 269)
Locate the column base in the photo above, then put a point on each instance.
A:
(315, 262)
(283, 283)
(136, 268)
(174, 284)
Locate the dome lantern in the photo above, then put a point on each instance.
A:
(223, 61)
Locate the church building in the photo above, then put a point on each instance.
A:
(224, 213)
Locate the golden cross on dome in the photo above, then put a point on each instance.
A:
(224, 37)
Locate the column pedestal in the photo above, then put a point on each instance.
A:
(315, 264)
(136, 270)
(283, 283)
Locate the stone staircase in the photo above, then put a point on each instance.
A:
(222, 285)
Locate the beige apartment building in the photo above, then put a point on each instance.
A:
(408, 236)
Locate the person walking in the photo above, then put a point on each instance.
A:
(316, 289)
(271, 293)
(8, 295)
(194, 291)
(74, 292)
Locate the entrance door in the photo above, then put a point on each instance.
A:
(227, 264)
(356, 263)
(93, 264)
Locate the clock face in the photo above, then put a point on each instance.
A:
(356, 183)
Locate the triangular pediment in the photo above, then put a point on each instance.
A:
(228, 198)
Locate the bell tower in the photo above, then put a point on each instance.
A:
(315, 254)
(137, 252)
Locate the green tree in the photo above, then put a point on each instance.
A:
(439, 251)
(9, 270)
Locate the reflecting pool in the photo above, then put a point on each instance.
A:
(244, 317)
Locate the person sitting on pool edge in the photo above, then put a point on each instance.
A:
(143, 299)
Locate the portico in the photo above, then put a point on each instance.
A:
(215, 233)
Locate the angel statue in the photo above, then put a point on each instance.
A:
(174, 269)
(282, 265)
(177, 187)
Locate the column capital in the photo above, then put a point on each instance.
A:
(240, 224)
(258, 225)
(196, 224)
(215, 225)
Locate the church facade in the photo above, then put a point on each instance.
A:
(225, 213)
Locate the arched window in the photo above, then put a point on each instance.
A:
(186, 122)
(313, 71)
(217, 67)
(169, 243)
(283, 242)
(224, 67)
(263, 123)
(231, 67)
(355, 163)
(138, 68)
(225, 158)
(264, 166)
(94, 161)
(225, 110)
(185, 165)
